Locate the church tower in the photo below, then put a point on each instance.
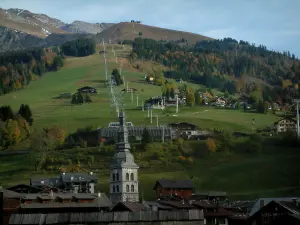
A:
(124, 185)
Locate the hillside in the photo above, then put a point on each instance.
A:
(251, 174)
(129, 31)
(11, 39)
(42, 26)
(16, 40)
(84, 27)
(25, 21)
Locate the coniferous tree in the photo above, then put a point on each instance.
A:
(172, 92)
(167, 94)
(80, 98)
(74, 99)
(6, 113)
(26, 113)
(117, 76)
(146, 137)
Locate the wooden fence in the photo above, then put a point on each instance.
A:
(190, 217)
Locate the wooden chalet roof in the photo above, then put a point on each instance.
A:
(256, 206)
(286, 118)
(20, 188)
(102, 201)
(292, 207)
(86, 87)
(131, 206)
(10, 194)
(136, 131)
(175, 184)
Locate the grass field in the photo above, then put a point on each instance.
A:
(274, 172)
(89, 71)
(243, 176)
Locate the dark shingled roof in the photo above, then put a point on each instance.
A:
(291, 206)
(10, 194)
(132, 206)
(100, 202)
(175, 184)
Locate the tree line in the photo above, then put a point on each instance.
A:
(14, 127)
(224, 64)
(19, 68)
(79, 48)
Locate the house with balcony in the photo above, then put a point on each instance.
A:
(285, 124)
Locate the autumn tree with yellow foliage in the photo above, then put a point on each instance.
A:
(211, 144)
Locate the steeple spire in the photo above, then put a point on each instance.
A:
(123, 170)
(122, 141)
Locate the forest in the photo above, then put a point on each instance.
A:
(79, 48)
(227, 65)
(19, 68)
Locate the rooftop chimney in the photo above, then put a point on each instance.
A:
(261, 203)
(99, 195)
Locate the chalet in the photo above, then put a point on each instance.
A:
(149, 78)
(72, 182)
(9, 203)
(214, 213)
(220, 101)
(244, 99)
(179, 81)
(210, 195)
(183, 126)
(188, 131)
(182, 188)
(64, 202)
(285, 124)
(277, 212)
(102, 52)
(130, 90)
(87, 89)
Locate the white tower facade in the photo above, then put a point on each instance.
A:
(124, 184)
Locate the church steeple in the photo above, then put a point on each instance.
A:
(123, 170)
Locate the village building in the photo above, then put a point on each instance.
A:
(130, 90)
(188, 131)
(181, 188)
(124, 185)
(87, 89)
(277, 212)
(27, 189)
(284, 125)
(71, 182)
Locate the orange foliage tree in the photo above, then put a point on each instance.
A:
(211, 144)
(58, 134)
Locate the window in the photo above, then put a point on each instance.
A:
(131, 176)
(132, 188)
(118, 188)
(114, 177)
(117, 176)
(127, 188)
(114, 189)
(127, 176)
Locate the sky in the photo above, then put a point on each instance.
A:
(273, 23)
